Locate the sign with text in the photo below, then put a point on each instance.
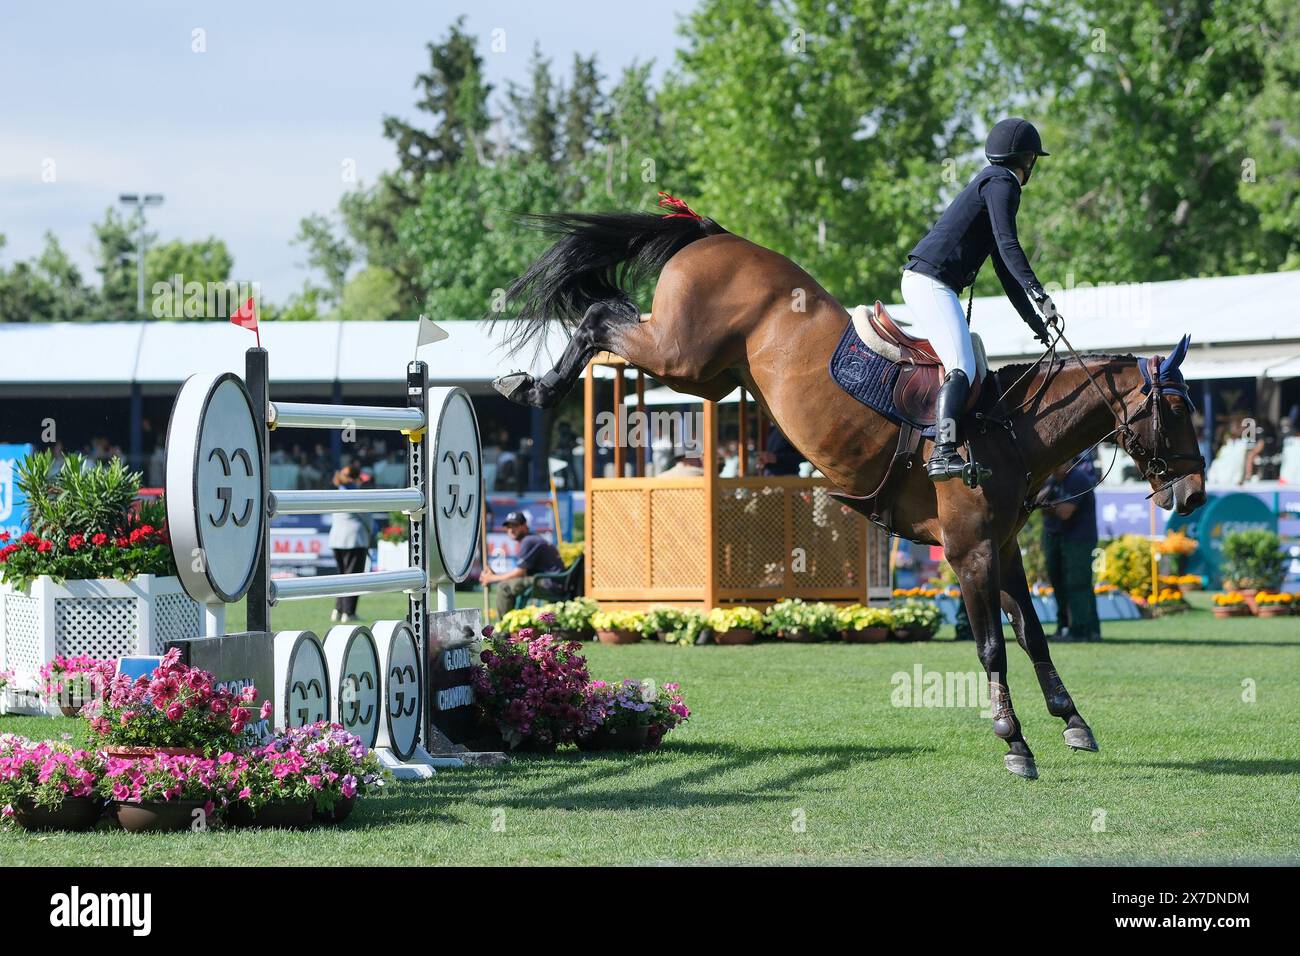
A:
(13, 507)
(237, 661)
(451, 656)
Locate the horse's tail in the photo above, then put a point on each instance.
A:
(597, 257)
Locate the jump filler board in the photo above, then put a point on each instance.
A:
(394, 685)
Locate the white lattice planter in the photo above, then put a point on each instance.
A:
(104, 618)
(392, 556)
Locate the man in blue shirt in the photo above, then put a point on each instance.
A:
(536, 556)
(1069, 539)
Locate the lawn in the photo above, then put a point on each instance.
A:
(797, 755)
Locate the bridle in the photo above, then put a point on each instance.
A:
(1156, 382)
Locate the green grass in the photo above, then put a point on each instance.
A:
(789, 734)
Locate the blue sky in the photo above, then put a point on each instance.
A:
(251, 135)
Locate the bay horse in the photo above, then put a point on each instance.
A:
(727, 312)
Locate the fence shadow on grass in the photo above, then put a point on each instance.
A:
(607, 781)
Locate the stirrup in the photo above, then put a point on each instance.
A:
(944, 466)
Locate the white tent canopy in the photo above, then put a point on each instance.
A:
(1241, 326)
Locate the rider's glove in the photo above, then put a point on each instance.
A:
(1041, 333)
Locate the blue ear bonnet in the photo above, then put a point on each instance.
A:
(1168, 378)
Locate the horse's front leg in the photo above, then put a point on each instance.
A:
(1019, 605)
(977, 569)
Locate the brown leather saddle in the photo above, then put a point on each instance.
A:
(920, 372)
(919, 376)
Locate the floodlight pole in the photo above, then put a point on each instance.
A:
(139, 203)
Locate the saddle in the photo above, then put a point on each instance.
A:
(915, 390)
(920, 372)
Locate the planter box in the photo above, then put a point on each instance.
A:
(104, 618)
(392, 556)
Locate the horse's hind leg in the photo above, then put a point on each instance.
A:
(977, 570)
(592, 335)
(1018, 604)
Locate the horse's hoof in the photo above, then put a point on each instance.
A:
(1080, 738)
(1021, 766)
(514, 386)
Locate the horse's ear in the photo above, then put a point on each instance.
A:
(1176, 357)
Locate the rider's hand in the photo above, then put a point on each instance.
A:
(1041, 333)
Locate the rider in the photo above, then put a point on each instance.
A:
(980, 221)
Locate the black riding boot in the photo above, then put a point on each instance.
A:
(944, 461)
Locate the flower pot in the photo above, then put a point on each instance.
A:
(618, 636)
(531, 745)
(867, 635)
(144, 753)
(801, 635)
(1272, 610)
(341, 811)
(736, 635)
(158, 816)
(1231, 610)
(912, 632)
(1249, 595)
(616, 738)
(73, 707)
(74, 813)
(281, 814)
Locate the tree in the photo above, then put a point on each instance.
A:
(821, 131)
(533, 114)
(466, 236)
(115, 261)
(47, 289)
(371, 296)
(454, 96)
(332, 254)
(582, 106)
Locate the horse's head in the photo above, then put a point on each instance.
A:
(1160, 435)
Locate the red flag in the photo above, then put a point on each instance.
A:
(246, 318)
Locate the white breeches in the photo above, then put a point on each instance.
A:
(937, 315)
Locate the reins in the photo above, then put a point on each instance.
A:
(1126, 438)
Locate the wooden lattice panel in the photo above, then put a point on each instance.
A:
(830, 537)
(678, 525)
(617, 538)
(751, 543)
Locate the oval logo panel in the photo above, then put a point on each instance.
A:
(214, 500)
(403, 687)
(302, 678)
(356, 678)
(457, 481)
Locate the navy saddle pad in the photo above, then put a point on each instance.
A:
(867, 376)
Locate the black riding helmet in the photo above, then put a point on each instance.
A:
(1014, 142)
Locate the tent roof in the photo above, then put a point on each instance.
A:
(1241, 326)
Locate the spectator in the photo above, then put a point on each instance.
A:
(350, 540)
(1069, 538)
(536, 556)
(779, 457)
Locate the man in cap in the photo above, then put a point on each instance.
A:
(536, 556)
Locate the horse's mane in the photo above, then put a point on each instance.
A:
(1007, 375)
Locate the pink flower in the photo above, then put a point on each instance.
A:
(266, 710)
(175, 711)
